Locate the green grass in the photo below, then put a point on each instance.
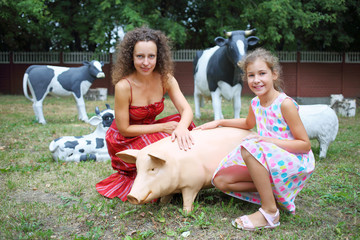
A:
(44, 199)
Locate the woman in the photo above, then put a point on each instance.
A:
(142, 74)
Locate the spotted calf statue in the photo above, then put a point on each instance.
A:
(88, 147)
(60, 81)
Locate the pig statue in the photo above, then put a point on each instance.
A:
(163, 169)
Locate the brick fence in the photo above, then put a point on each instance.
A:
(304, 76)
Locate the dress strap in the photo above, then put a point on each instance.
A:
(130, 90)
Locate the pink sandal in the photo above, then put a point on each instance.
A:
(249, 226)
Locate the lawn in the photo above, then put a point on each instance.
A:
(44, 199)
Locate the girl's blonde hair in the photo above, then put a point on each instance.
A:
(271, 61)
(124, 64)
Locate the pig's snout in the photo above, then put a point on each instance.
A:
(132, 199)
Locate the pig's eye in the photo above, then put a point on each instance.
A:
(153, 170)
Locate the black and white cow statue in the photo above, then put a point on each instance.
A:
(88, 147)
(217, 72)
(60, 81)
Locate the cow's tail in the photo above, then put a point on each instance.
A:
(25, 87)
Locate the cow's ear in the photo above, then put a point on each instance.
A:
(252, 40)
(128, 156)
(158, 157)
(95, 120)
(102, 63)
(86, 63)
(220, 41)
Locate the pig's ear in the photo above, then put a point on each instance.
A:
(158, 157)
(128, 156)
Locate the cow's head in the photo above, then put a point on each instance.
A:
(95, 68)
(105, 117)
(237, 44)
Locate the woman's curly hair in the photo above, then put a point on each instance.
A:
(124, 64)
(271, 61)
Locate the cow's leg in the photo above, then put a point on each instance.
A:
(80, 104)
(102, 155)
(323, 149)
(237, 100)
(216, 102)
(232, 93)
(38, 104)
(38, 110)
(202, 101)
(197, 99)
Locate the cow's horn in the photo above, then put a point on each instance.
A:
(97, 111)
(228, 34)
(249, 32)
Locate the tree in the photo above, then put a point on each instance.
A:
(20, 24)
(164, 15)
(208, 19)
(301, 24)
(92, 25)
(73, 24)
(284, 25)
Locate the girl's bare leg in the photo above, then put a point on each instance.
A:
(234, 179)
(261, 180)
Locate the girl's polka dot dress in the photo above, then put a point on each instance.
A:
(288, 171)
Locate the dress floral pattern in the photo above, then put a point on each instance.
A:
(288, 171)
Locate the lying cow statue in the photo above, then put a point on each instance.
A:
(343, 106)
(60, 81)
(88, 147)
(163, 169)
(217, 71)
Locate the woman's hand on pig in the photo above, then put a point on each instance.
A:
(183, 137)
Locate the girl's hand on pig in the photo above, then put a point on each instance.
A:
(208, 125)
(258, 138)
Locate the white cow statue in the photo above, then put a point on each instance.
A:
(60, 81)
(88, 147)
(321, 123)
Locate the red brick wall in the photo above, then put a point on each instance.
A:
(319, 80)
(184, 74)
(351, 80)
(300, 79)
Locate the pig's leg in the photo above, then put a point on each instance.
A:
(188, 199)
(166, 199)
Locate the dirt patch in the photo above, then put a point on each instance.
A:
(42, 197)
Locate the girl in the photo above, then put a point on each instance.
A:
(142, 74)
(268, 168)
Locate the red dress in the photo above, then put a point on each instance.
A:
(119, 184)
